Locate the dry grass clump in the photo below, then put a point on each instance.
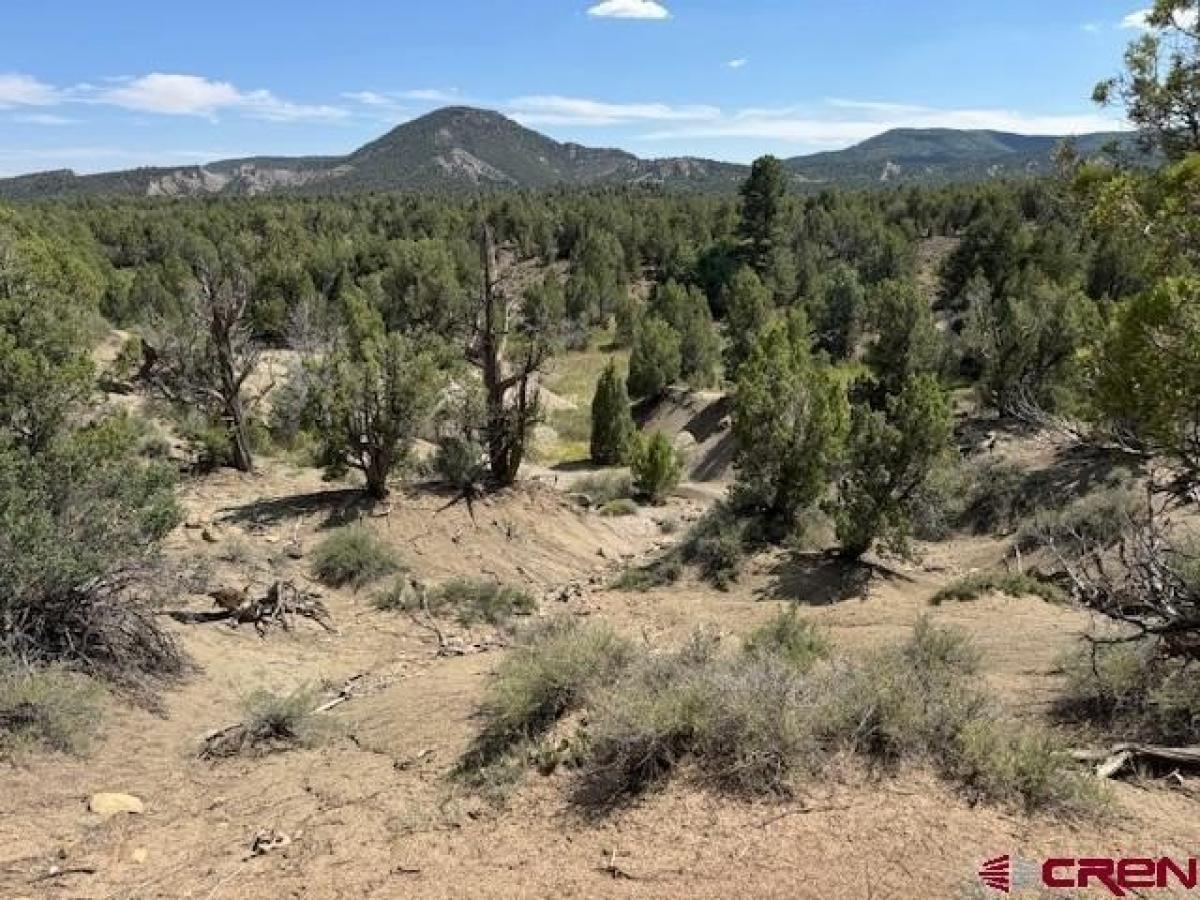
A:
(46, 708)
(273, 723)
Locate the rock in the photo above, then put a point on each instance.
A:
(140, 855)
(209, 536)
(108, 805)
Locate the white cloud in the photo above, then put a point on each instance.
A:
(25, 90)
(737, 63)
(43, 119)
(629, 9)
(1139, 20)
(193, 95)
(553, 110)
(434, 95)
(840, 122)
(369, 98)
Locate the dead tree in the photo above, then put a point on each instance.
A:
(510, 383)
(1148, 580)
(205, 356)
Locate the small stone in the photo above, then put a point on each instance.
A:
(108, 805)
(139, 855)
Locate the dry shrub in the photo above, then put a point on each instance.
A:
(273, 723)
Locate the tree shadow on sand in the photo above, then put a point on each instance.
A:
(825, 578)
(336, 507)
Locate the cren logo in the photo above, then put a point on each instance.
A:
(997, 874)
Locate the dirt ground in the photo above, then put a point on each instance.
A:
(373, 812)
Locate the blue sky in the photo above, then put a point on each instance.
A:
(95, 86)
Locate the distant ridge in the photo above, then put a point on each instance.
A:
(460, 147)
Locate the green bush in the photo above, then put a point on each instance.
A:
(789, 637)
(48, 708)
(757, 721)
(354, 556)
(1020, 766)
(77, 519)
(719, 556)
(1011, 584)
(656, 467)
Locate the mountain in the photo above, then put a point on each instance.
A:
(452, 148)
(939, 155)
(462, 148)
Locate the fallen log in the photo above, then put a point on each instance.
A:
(1114, 761)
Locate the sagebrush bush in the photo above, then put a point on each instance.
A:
(354, 556)
(716, 545)
(789, 637)
(743, 722)
(1133, 690)
(1012, 584)
(999, 498)
(478, 600)
(458, 462)
(1101, 517)
(545, 676)
(605, 487)
(757, 721)
(46, 708)
(79, 520)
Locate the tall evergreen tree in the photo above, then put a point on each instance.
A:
(612, 422)
(762, 206)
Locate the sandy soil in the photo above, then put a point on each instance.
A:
(373, 813)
